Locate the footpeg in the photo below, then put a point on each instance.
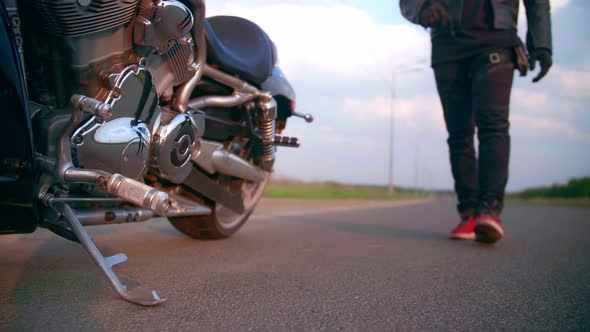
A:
(286, 141)
(138, 193)
(138, 294)
(92, 106)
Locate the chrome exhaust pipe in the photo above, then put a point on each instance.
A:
(94, 217)
(214, 159)
(228, 163)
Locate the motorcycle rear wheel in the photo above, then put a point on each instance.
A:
(222, 222)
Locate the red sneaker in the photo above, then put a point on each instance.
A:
(465, 230)
(488, 228)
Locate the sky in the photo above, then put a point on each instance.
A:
(346, 57)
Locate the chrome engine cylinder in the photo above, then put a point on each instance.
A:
(92, 30)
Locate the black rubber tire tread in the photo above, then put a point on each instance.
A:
(206, 227)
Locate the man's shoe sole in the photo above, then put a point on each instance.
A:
(462, 236)
(488, 231)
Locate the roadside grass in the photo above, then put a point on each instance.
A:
(333, 190)
(572, 202)
(286, 188)
(576, 192)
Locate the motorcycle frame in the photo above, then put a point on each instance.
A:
(63, 170)
(243, 92)
(37, 173)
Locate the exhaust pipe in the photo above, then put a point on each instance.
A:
(213, 158)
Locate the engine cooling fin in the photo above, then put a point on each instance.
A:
(180, 56)
(73, 18)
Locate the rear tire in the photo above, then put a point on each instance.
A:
(222, 222)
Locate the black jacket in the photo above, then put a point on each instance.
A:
(505, 17)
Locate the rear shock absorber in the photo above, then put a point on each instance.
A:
(266, 124)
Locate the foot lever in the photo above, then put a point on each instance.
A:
(138, 294)
(307, 117)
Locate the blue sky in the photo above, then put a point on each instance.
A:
(340, 56)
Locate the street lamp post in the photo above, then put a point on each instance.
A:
(391, 189)
(416, 67)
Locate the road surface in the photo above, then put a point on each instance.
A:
(312, 265)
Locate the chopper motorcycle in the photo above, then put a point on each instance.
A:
(117, 111)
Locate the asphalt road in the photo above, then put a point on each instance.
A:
(300, 265)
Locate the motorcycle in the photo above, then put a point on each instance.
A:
(121, 111)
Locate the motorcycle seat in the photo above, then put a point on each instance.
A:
(240, 47)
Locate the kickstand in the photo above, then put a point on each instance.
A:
(138, 294)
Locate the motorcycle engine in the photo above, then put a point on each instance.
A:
(128, 53)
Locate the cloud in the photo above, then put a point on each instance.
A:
(333, 39)
(546, 102)
(573, 82)
(424, 114)
(559, 4)
(522, 98)
(545, 127)
(417, 112)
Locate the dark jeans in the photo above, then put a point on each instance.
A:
(475, 93)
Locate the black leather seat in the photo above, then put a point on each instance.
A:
(239, 47)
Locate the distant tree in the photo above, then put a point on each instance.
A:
(575, 188)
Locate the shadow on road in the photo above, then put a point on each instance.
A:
(39, 286)
(163, 226)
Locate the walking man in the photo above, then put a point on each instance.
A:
(475, 49)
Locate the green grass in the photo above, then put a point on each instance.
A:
(574, 188)
(332, 190)
(575, 202)
(576, 192)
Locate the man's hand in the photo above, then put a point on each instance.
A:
(435, 14)
(545, 60)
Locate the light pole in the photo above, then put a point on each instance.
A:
(391, 129)
(401, 69)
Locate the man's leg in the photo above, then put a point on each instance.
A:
(454, 89)
(491, 86)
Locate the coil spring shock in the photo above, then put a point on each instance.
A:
(267, 130)
(266, 125)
